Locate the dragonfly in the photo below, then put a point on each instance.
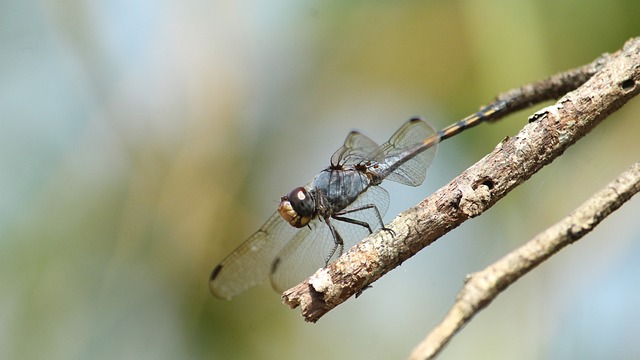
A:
(342, 205)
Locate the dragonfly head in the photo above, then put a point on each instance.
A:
(297, 208)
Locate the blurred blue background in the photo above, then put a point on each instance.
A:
(144, 140)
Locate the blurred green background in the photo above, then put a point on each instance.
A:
(142, 141)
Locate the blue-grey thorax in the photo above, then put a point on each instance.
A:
(340, 187)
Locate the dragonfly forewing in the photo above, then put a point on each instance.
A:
(356, 148)
(250, 264)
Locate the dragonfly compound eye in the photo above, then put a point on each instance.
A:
(297, 208)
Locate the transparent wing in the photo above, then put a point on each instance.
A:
(249, 265)
(308, 251)
(356, 148)
(412, 134)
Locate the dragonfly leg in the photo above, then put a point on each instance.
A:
(362, 223)
(337, 242)
(355, 222)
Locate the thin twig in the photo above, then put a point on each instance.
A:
(483, 287)
(550, 132)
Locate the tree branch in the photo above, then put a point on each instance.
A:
(483, 287)
(612, 81)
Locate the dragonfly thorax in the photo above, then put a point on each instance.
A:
(337, 189)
